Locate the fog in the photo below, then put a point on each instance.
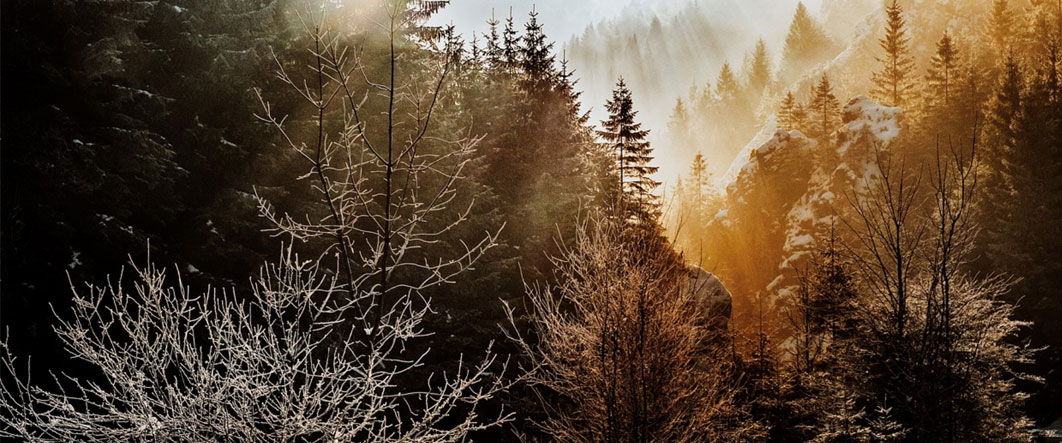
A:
(694, 39)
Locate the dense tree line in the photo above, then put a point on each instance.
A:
(480, 261)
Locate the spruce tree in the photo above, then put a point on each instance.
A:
(824, 109)
(510, 44)
(626, 138)
(942, 75)
(758, 73)
(1000, 28)
(493, 51)
(727, 87)
(786, 113)
(679, 122)
(893, 82)
(536, 57)
(805, 45)
(699, 175)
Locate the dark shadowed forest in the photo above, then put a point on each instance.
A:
(698, 220)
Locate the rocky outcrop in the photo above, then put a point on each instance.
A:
(713, 301)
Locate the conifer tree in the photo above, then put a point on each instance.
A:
(786, 113)
(758, 73)
(805, 45)
(493, 51)
(942, 74)
(626, 138)
(536, 57)
(893, 82)
(699, 175)
(510, 44)
(679, 122)
(727, 87)
(824, 110)
(1001, 23)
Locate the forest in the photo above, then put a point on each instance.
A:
(352, 220)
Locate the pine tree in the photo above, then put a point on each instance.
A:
(1000, 30)
(699, 175)
(758, 71)
(679, 122)
(893, 82)
(510, 44)
(536, 57)
(943, 73)
(626, 138)
(824, 111)
(805, 45)
(726, 85)
(493, 52)
(787, 112)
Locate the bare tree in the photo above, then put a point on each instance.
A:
(321, 350)
(618, 351)
(936, 340)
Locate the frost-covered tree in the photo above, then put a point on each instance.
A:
(322, 348)
(935, 337)
(618, 354)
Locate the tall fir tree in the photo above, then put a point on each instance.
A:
(806, 44)
(893, 83)
(758, 71)
(536, 57)
(824, 110)
(787, 118)
(942, 74)
(1000, 30)
(510, 49)
(493, 52)
(625, 137)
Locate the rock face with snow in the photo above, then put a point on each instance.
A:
(713, 301)
(788, 193)
(842, 170)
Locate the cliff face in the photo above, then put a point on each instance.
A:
(788, 192)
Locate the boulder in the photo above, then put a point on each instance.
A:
(713, 301)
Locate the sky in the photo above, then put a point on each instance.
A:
(562, 18)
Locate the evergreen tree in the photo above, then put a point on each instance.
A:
(806, 44)
(510, 44)
(824, 110)
(893, 82)
(626, 138)
(494, 53)
(942, 75)
(787, 118)
(536, 57)
(698, 178)
(758, 70)
(727, 87)
(1000, 31)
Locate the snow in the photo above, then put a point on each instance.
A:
(191, 269)
(862, 113)
(227, 143)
